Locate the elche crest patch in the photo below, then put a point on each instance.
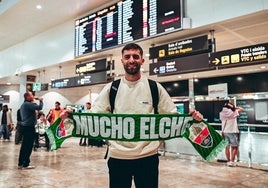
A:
(199, 134)
(65, 128)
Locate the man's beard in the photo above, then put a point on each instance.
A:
(132, 71)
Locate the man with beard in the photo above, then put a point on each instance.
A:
(137, 160)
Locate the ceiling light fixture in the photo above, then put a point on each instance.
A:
(176, 84)
(39, 7)
(239, 78)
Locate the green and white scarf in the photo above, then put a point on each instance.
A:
(138, 127)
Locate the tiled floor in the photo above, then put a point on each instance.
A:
(80, 166)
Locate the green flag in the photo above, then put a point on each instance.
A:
(138, 127)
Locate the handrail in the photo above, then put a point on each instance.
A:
(242, 125)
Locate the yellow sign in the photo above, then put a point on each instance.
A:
(161, 53)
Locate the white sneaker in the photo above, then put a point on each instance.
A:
(235, 164)
(29, 167)
(230, 164)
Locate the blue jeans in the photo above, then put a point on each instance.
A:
(4, 130)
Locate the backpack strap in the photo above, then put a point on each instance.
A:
(113, 92)
(155, 94)
(112, 96)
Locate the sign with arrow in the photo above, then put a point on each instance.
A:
(90, 67)
(180, 65)
(182, 48)
(240, 56)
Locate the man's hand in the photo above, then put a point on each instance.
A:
(196, 115)
(38, 98)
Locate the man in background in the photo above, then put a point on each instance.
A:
(28, 117)
(6, 121)
(54, 113)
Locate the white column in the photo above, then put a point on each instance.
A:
(22, 87)
(191, 94)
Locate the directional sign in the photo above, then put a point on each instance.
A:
(37, 86)
(94, 78)
(63, 83)
(180, 48)
(164, 67)
(240, 56)
(88, 79)
(89, 67)
(179, 65)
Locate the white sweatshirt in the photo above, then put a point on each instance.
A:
(229, 120)
(133, 98)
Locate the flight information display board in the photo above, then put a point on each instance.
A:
(126, 21)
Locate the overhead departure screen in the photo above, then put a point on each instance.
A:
(124, 22)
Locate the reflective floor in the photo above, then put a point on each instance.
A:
(82, 166)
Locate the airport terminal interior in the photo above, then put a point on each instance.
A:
(204, 53)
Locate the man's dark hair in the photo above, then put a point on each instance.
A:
(26, 94)
(57, 102)
(40, 113)
(5, 106)
(133, 46)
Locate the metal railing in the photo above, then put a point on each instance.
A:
(253, 148)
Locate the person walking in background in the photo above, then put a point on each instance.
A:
(136, 161)
(18, 133)
(6, 121)
(54, 113)
(230, 131)
(29, 120)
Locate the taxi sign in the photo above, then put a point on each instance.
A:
(240, 56)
